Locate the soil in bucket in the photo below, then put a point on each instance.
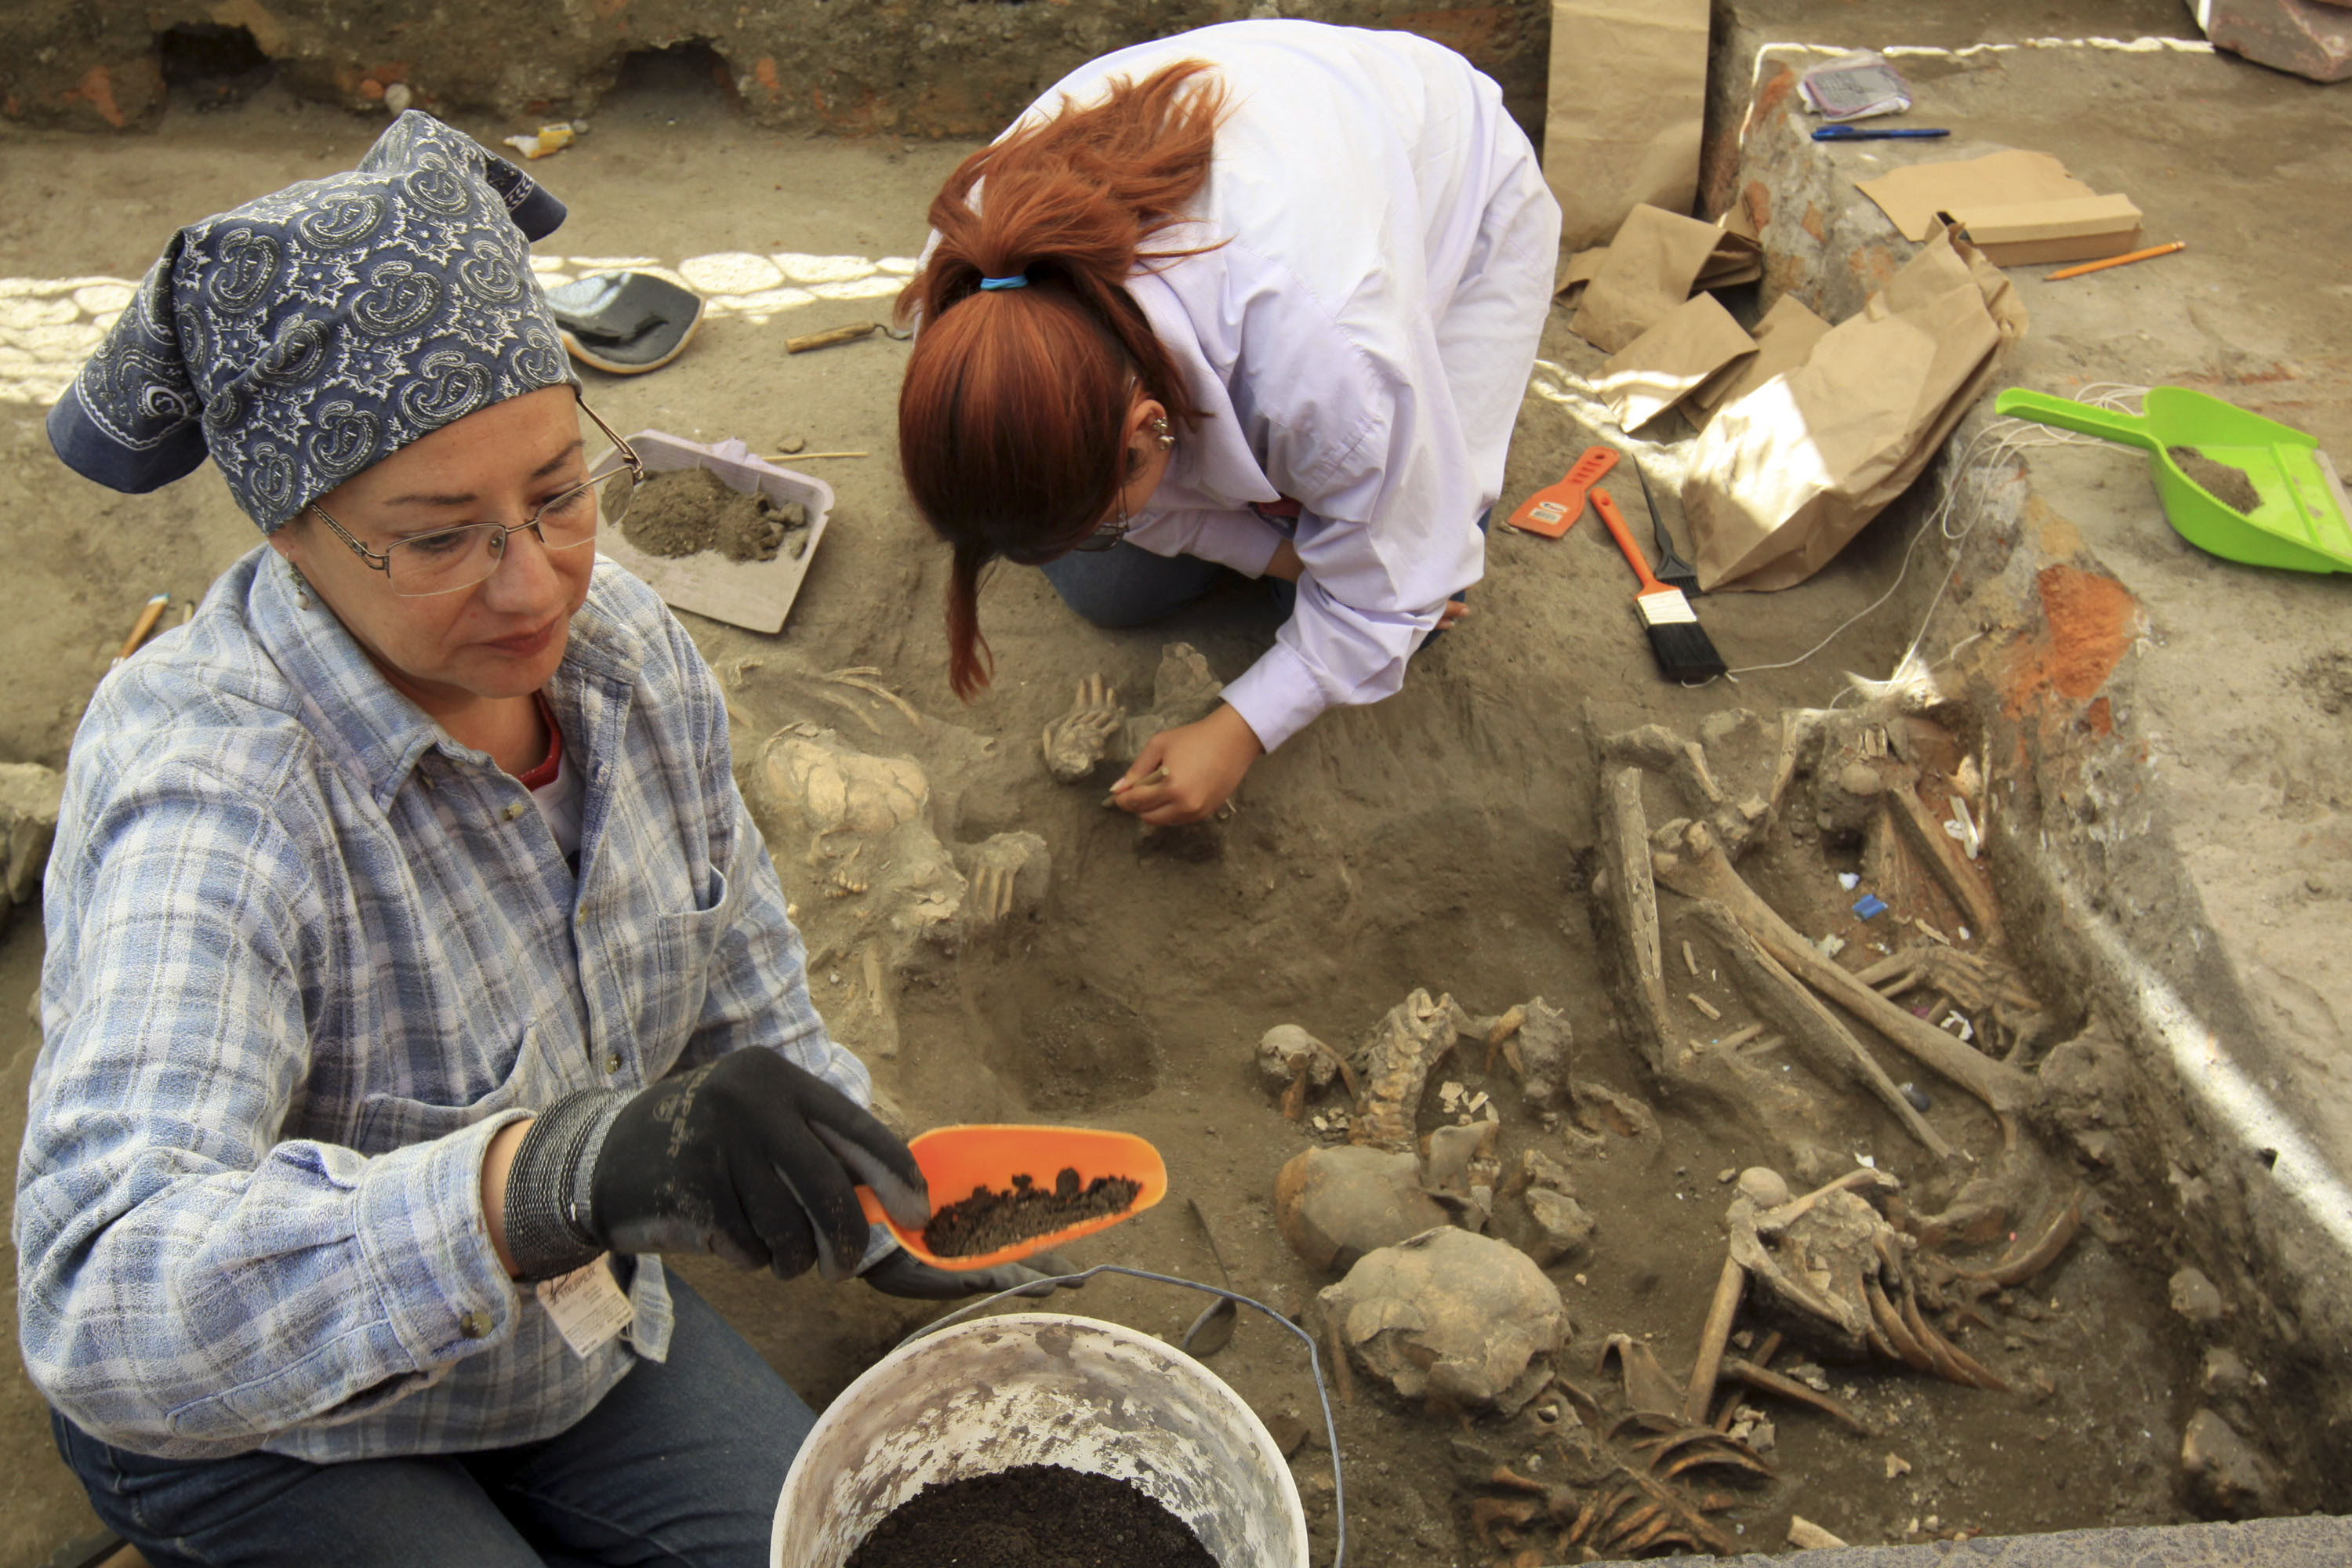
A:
(692, 510)
(1032, 1516)
(990, 1219)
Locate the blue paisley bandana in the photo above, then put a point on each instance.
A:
(313, 332)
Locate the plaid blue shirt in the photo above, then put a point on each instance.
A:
(306, 955)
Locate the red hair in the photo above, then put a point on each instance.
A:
(1014, 405)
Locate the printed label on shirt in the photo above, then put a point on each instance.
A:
(587, 1306)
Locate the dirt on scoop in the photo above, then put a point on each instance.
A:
(692, 510)
(990, 1219)
(1032, 1516)
(2228, 485)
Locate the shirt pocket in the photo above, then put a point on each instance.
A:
(535, 1080)
(685, 947)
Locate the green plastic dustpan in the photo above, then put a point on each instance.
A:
(2302, 523)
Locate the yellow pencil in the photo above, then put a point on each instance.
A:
(148, 616)
(2116, 260)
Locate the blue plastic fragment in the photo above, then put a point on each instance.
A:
(1871, 904)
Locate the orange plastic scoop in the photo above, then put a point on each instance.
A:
(1553, 509)
(955, 1160)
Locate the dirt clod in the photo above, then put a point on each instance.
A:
(692, 510)
(2327, 679)
(990, 1219)
(1032, 1516)
(2228, 485)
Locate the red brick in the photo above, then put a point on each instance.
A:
(2304, 37)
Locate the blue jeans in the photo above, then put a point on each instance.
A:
(680, 1464)
(1128, 586)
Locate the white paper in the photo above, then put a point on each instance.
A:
(587, 1306)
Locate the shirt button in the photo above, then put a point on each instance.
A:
(613, 1062)
(514, 810)
(474, 1325)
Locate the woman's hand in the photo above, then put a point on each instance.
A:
(1183, 775)
(1285, 564)
(750, 1157)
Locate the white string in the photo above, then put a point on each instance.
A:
(1999, 440)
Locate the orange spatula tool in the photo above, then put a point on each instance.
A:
(1553, 509)
(956, 1160)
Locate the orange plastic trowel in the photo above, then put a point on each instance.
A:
(955, 1160)
(1553, 509)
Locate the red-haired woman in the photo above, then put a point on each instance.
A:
(1261, 297)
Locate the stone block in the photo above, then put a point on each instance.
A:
(2308, 37)
(1334, 1205)
(29, 797)
(2226, 1475)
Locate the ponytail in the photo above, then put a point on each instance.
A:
(1015, 399)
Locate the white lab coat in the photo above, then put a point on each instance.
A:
(1360, 340)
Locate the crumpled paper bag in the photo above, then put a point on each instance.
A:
(1693, 346)
(1649, 271)
(1784, 340)
(1785, 475)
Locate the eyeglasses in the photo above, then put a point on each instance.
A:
(453, 559)
(1107, 535)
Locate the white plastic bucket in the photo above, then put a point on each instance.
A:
(1041, 1388)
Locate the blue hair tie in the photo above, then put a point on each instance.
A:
(1018, 280)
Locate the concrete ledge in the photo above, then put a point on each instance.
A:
(2314, 1542)
(929, 70)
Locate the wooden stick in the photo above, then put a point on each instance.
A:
(1702, 872)
(1729, 1284)
(2152, 250)
(830, 336)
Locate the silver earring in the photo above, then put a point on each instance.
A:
(1162, 434)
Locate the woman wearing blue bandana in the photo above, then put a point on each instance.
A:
(416, 975)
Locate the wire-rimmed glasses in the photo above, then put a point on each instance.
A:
(450, 559)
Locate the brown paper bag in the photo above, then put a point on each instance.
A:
(1739, 255)
(1665, 364)
(1784, 340)
(1579, 270)
(1645, 276)
(1628, 93)
(1786, 474)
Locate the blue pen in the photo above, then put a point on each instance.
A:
(1877, 133)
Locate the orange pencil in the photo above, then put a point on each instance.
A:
(2116, 260)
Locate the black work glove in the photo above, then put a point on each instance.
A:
(750, 1158)
(901, 1273)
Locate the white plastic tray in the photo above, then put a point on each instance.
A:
(754, 594)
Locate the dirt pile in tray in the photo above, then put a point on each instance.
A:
(692, 510)
(2229, 486)
(1034, 1516)
(990, 1219)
